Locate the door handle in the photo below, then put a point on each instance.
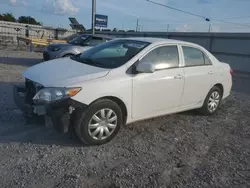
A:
(210, 72)
(179, 76)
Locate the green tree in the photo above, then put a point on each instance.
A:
(28, 20)
(7, 17)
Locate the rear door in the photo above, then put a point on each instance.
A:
(199, 76)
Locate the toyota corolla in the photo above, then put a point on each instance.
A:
(123, 81)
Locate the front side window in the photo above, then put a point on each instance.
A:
(80, 40)
(194, 57)
(163, 57)
(112, 54)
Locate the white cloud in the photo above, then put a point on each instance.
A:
(216, 28)
(62, 7)
(183, 28)
(118, 8)
(13, 2)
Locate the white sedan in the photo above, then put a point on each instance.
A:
(123, 81)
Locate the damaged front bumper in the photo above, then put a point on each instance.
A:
(57, 114)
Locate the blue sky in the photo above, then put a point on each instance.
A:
(124, 13)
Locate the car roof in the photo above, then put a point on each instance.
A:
(99, 35)
(158, 40)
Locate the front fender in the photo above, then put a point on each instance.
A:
(68, 52)
(100, 88)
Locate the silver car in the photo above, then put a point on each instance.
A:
(75, 46)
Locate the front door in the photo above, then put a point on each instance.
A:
(159, 92)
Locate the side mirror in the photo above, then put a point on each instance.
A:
(145, 67)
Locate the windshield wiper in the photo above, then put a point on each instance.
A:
(86, 60)
(89, 61)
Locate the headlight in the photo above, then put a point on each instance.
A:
(47, 95)
(56, 49)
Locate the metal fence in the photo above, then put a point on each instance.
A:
(10, 31)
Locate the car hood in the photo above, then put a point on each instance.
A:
(62, 45)
(63, 72)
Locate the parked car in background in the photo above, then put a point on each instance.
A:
(71, 37)
(123, 81)
(73, 47)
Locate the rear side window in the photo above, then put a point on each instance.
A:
(95, 41)
(194, 57)
(163, 57)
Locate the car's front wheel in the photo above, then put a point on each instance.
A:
(212, 101)
(99, 123)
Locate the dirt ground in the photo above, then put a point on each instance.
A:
(180, 150)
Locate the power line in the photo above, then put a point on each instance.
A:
(223, 21)
(239, 17)
(196, 15)
(186, 12)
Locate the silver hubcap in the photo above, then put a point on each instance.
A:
(213, 101)
(102, 124)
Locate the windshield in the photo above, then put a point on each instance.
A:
(79, 40)
(112, 54)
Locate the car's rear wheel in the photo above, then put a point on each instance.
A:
(99, 123)
(212, 101)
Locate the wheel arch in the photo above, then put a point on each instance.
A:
(120, 103)
(68, 52)
(219, 85)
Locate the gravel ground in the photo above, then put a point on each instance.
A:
(181, 150)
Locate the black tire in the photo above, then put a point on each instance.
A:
(83, 119)
(205, 108)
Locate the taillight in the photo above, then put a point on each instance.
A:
(231, 72)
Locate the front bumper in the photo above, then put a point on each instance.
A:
(19, 93)
(46, 56)
(57, 114)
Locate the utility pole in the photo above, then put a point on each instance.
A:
(93, 15)
(167, 28)
(137, 25)
(139, 28)
(209, 29)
